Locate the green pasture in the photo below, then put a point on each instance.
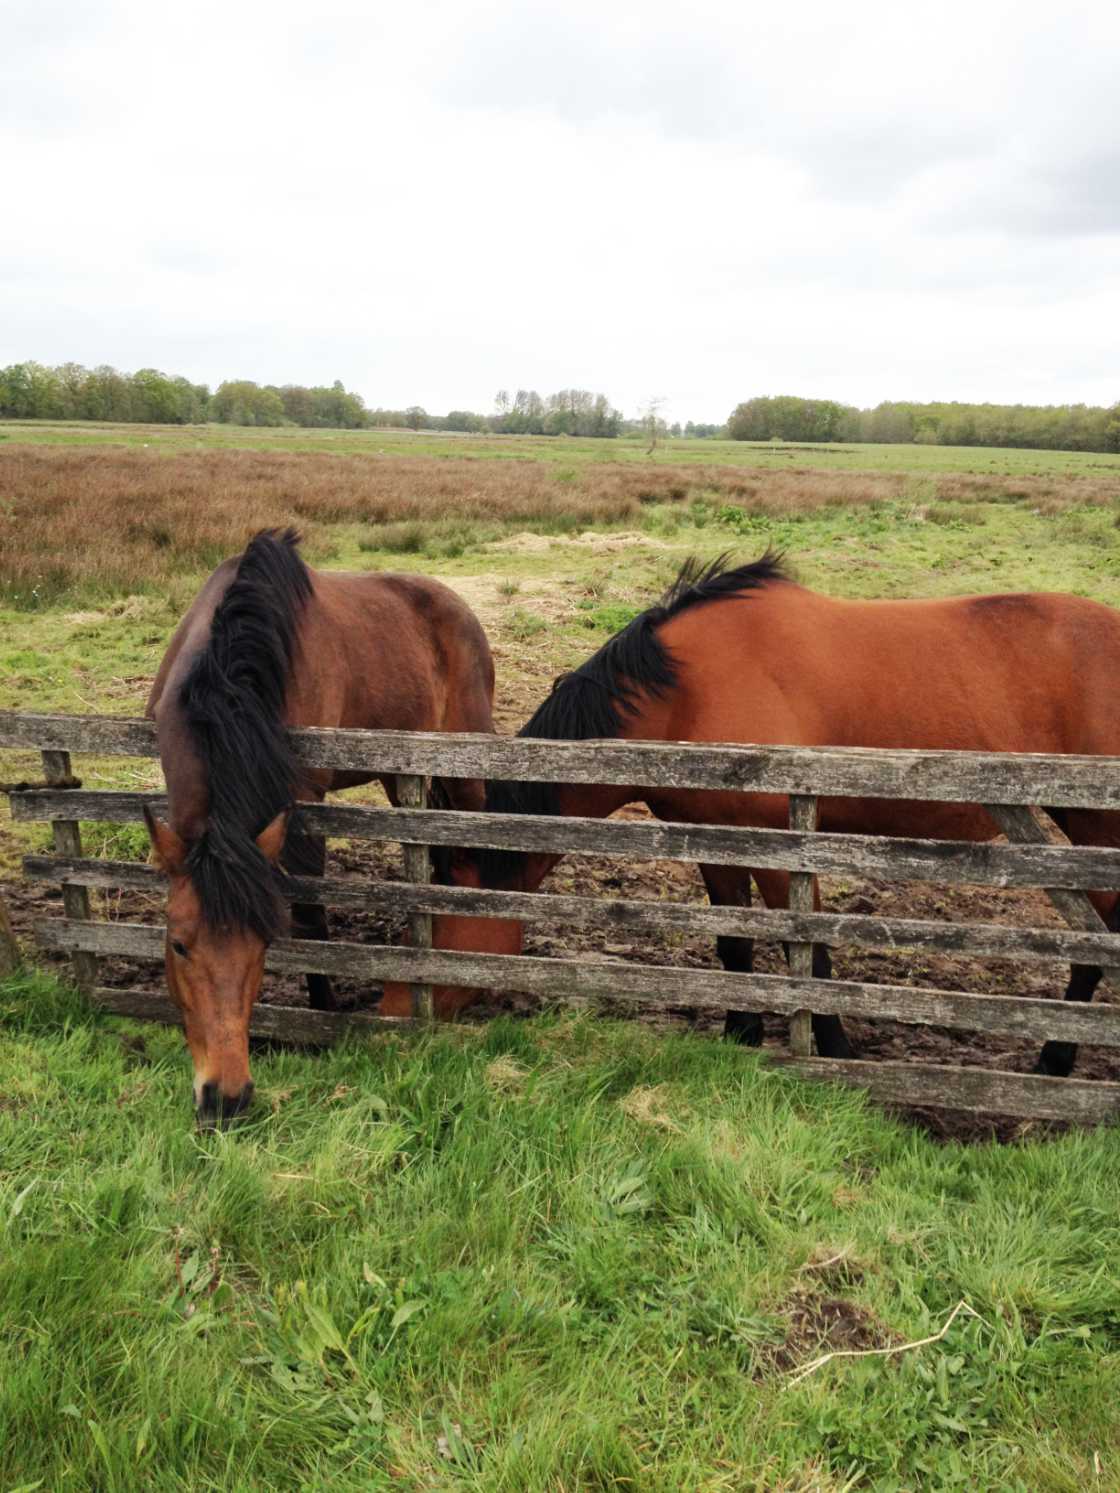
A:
(565, 450)
(549, 1255)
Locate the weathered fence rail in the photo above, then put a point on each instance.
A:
(1069, 782)
(880, 856)
(1008, 785)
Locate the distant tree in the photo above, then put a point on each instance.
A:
(653, 426)
(464, 420)
(891, 423)
(106, 395)
(29, 391)
(242, 402)
(299, 404)
(416, 417)
(788, 418)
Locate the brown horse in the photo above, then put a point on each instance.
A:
(746, 655)
(268, 644)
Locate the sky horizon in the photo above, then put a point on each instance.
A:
(439, 203)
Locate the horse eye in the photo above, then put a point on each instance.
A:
(179, 948)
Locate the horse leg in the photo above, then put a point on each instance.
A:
(832, 1041)
(729, 886)
(306, 855)
(1057, 1058)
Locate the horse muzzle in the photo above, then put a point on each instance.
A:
(215, 1110)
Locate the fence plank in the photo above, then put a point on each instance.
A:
(412, 792)
(614, 914)
(802, 817)
(621, 983)
(1064, 781)
(67, 837)
(981, 1090)
(298, 1026)
(880, 856)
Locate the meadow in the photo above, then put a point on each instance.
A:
(550, 1253)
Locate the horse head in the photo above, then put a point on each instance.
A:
(214, 957)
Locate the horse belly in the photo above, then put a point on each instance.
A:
(909, 818)
(846, 816)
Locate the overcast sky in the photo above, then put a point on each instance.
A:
(432, 201)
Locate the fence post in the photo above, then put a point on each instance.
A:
(9, 950)
(802, 816)
(412, 793)
(68, 841)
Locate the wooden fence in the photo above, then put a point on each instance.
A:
(1008, 786)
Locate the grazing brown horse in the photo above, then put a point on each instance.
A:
(268, 644)
(747, 655)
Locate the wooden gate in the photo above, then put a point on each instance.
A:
(1008, 786)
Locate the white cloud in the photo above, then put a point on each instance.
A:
(433, 203)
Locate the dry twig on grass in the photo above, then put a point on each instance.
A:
(818, 1363)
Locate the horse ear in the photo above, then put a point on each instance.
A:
(270, 841)
(170, 850)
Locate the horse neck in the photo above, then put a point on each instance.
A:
(184, 772)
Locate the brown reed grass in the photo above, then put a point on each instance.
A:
(111, 521)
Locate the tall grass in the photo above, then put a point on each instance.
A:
(103, 521)
(546, 1255)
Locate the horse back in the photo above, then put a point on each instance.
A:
(1029, 673)
(392, 652)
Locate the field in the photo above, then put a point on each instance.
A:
(535, 1252)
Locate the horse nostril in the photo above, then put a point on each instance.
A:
(240, 1102)
(216, 1109)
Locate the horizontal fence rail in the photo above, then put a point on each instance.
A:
(619, 983)
(1074, 782)
(615, 914)
(885, 857)
(1008, 786)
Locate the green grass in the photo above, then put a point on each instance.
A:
(536, 1255)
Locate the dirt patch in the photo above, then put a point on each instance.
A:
(818, 1324)
(525, 673)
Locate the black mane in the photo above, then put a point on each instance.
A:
(233, 703)
(594, 700)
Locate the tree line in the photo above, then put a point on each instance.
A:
(1064, 427)
(32, 391)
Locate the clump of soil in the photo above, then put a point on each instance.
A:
(816, 1325)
